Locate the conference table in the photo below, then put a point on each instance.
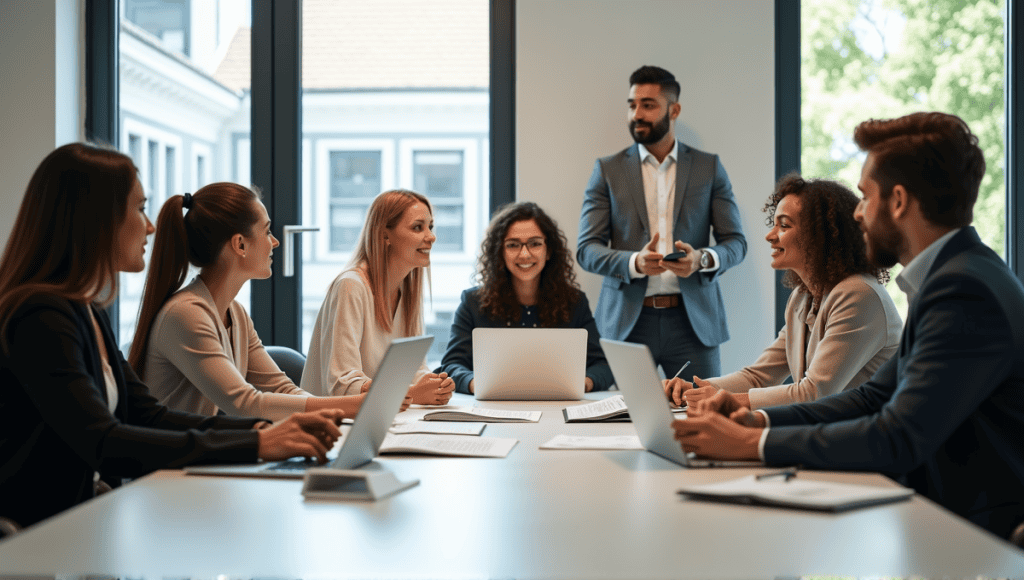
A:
(533, 514)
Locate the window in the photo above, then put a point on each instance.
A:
(355, 181)
(866, 59)
(167, 20)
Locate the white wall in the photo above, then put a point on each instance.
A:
(42, 92)
(573, 60)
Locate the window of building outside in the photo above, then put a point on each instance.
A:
(412, 113)
(865, 59)
(182, 101)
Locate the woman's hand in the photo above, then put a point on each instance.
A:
(432, 389)
(674, 390)
(301, 434)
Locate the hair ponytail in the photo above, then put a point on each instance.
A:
(215, 213)
(168, 268)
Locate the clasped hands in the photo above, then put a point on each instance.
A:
(651, 263)
(718, 424)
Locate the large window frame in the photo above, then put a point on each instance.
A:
(276, 142)
(787, 125)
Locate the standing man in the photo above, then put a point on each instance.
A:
(945, 415)
(654, 198)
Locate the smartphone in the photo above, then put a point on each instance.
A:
(675, 256)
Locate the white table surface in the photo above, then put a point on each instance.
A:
(535, 514)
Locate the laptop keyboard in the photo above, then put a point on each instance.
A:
(297, 464)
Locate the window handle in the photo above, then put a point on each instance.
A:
(288, 246)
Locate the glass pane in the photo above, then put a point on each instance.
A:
(408, 112)
(867, 59)
(184, 104)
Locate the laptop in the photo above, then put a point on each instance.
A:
(529, 364)
(371, 425)
(637, 377)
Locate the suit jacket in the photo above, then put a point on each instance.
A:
(56, 430)
(944, 416)
(458, 359)
(614, 225)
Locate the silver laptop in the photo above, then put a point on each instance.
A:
(529, 364)
(637, 377)
(371, 425)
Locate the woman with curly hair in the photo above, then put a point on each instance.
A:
(841, 325)
(526, 280)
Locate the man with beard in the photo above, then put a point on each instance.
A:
(654, 198)
(945, 415)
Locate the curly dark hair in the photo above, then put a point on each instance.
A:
(832, 240)
(558, 287)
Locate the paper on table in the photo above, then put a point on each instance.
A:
(579, 442)
(436, 427)
(485, 415)
(598, 409)
(797, 493)
(452, 445)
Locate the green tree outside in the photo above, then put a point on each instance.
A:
(864, 59)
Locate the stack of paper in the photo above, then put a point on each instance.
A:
(450, 445)
(797, 493)
(485, 415)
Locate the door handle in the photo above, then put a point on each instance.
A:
(288, 246)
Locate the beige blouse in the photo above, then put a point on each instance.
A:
(195, 364)
(347, 344)
(841, 345)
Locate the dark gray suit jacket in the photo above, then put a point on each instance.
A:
(614, 224)
(945, 415)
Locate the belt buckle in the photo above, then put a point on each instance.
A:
(661, 300)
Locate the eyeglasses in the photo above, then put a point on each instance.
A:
(515, 246)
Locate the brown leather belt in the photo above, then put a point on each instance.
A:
(662, 301)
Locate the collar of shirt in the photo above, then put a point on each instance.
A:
(645, 154)
(913, 274)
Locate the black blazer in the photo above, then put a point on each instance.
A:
(458, 359)
(56, 430)
(945, 415)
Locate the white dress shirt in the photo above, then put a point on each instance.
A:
(660, 194)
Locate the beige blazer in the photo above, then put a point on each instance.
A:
(855, 329)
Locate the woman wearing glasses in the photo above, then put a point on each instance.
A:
(527, 280)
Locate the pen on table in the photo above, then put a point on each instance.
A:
(788, 474)
(681, 369)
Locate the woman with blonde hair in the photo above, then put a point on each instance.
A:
(73, 412)
(377, 298)
(196, 346)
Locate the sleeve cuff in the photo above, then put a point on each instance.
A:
(764, 435)
(633, 271)
(715, 262)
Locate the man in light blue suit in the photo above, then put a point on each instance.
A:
(655, 198)
(945, 415)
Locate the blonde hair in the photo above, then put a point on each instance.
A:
(385, 212)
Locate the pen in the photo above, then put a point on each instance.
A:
(681, 369)
(788, 474)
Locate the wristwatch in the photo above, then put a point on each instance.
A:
(705, 259)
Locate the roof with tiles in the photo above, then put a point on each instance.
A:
(383, 44)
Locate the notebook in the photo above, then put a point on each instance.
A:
(371, 425)
(637, 377)
(529, 364)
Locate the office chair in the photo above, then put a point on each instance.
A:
(1017, 537)
(288, 360)
(8, 527)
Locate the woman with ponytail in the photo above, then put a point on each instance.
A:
(196, 347)
(74, 417)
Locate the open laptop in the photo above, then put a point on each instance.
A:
(371, 425)
(637, 377)
(529, 364)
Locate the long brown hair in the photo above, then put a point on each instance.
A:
(831, 239)
(63, 239)
(558, 287)
(217, 212)
(385, 212)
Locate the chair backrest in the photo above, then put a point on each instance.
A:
(288, 360)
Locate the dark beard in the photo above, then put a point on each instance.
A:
(654, 132)
(884, 243)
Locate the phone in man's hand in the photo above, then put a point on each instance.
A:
(675, 256)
